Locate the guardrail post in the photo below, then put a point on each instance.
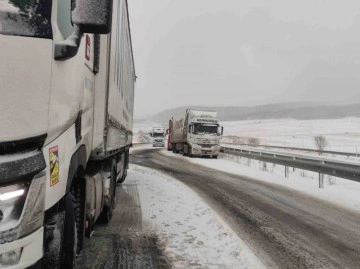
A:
(321, 180)
(264, 167)
(286, 171)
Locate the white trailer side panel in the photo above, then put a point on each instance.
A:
(121, 80)
(178, 135)
(114, 83)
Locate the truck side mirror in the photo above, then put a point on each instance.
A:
(93, 16)
(222, 130)
(189, 129)
(150, 134)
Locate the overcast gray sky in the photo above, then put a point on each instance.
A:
(244, 52)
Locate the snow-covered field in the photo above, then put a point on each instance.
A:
(342, 134)
(193, 235)
(337, 191)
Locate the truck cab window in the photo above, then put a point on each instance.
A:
(30, 18)
(205, 129)
(64, 18)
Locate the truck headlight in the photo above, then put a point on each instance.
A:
(22, 207)
(12, 200)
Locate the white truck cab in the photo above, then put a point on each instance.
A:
(66, 109)
(196, 133)
(158, 136)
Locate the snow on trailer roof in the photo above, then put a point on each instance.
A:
(202, 113)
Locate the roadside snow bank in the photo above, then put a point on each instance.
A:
(338, 191)
(194, 236)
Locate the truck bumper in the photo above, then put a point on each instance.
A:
(200, 151)
(31, 250)
(158, 144)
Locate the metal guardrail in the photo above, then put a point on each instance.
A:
(342, 153)
(322, 166)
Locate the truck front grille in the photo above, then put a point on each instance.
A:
(206, 145)
(24, 145)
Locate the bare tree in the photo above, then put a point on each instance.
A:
(253, 141)
(321, 143)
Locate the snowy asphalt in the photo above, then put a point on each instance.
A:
(285, 228)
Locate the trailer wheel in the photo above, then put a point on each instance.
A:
(190, 154)
(107, 211)
(123, 177)
(186, 150)
(176, 150)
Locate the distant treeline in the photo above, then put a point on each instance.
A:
(273, 111)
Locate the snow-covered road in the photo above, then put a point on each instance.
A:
(285, 227)
(159, 222)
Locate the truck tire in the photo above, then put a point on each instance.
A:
(64, 230)
(78, 190)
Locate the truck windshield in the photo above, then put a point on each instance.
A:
(205, 129)
(158, 134)
(26, 18)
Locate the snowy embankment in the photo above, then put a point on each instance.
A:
(337, 191)
(193, 235)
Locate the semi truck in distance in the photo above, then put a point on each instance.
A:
(196, 133)
(66, 118)
(158, 136)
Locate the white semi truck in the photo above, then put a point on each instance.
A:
(66, 117)
(158, 136)
(196, 133)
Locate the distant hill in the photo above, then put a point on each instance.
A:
(303, 111)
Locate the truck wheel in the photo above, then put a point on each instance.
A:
(64, 229)
(215, 156)
(78, 190)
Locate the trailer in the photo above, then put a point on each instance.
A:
(66, 118)
(195, 133)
